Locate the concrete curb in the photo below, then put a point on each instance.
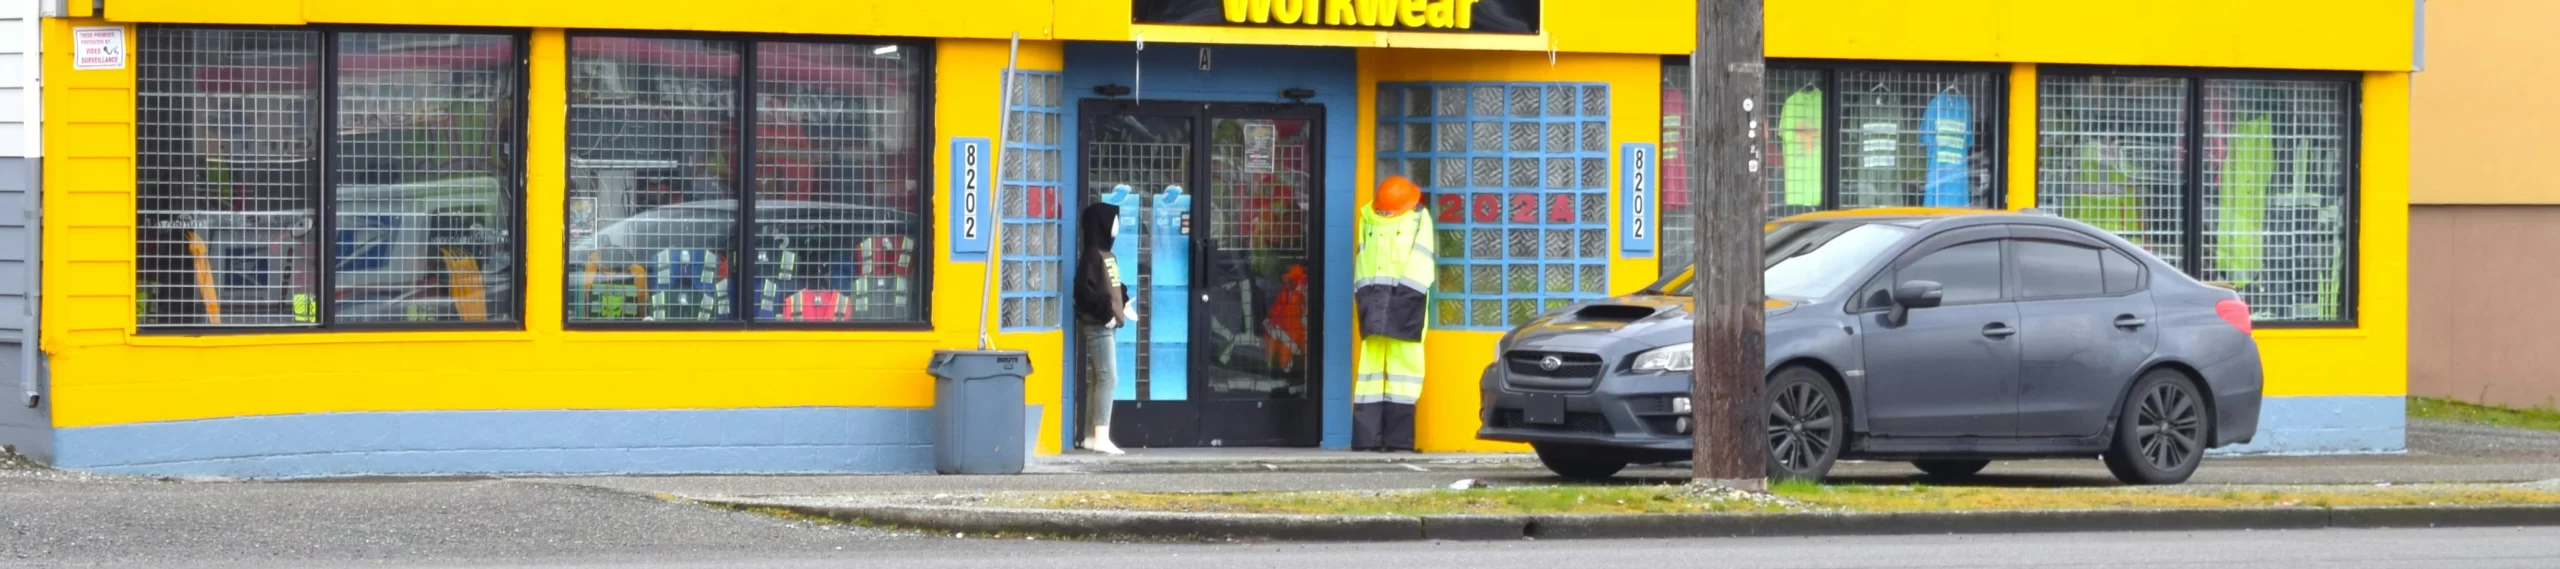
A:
(1279, 527)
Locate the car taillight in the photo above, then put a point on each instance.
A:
(2234, 311)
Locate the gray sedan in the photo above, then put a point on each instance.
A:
(1947, 338)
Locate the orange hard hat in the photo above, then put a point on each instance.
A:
(1397, 195)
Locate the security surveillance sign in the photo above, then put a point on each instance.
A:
(97, 48)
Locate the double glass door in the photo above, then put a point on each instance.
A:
(1220, 226)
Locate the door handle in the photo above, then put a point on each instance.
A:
(2129, 321)
(1998, 330)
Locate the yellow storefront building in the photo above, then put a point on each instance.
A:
(298, 238)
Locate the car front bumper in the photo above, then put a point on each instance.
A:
(1622, 411)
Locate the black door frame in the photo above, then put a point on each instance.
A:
(1201, 421)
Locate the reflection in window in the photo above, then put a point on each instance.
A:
(652, 152)
(228, 121)
(2111, 154)
(834, 226)
(425, 177)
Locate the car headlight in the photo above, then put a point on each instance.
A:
(1683, 357)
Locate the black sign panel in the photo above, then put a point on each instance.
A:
(1460, 16)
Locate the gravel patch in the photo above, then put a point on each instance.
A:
(2482, 441)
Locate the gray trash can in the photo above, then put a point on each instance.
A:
(978, 411)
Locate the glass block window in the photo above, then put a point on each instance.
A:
(1905, 137)
(422, 175)
(2242, 182)
(1034, 220)
(808, 210)
(1517, 178)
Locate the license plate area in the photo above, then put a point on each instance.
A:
(1544, 410)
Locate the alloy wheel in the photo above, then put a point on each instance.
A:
(2170, 428)
(1801, 424)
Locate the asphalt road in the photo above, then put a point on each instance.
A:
(2328, 549)
(52, 518)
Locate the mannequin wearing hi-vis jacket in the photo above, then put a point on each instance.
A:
(1394, 271)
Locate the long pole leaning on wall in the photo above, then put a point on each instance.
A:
(987, 285)
(1726, 79)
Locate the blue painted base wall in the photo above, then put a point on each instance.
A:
(798, 440)
(2329, 425)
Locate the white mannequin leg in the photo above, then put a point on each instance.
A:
(1101, 441)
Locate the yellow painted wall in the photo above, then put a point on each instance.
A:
(1448, 415)
(969, 88)
(2481, 115)
(2365, 35)
(2358, 35)
(105, 373)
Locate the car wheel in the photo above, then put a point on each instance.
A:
(1951, 468)
(1805, 427)
(1577, 463)
(2160, 434)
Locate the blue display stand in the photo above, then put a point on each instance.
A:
(1170, 377)
(1124, 251)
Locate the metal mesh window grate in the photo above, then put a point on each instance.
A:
(2275, 194)
(425, 177)
(228, 122)
(2110, 153)
(836, 221)
(1910, 138)
(2262, 205)
(1792, 155)
(1518, 183)
(1034, 219)
(835, 226)
(652, 158)
(230, 183)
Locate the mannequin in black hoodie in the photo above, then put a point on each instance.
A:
(1101, 307)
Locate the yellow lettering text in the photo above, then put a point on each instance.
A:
(1412, 14)
(1288, 11)
(1442, 13)
(1235, 11)
(1377, 12)
(1467, 14)
(1261, 10)
(1338, 13)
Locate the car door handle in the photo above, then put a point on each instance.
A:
(1998, 330)
(2129, 321)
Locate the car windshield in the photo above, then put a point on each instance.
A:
(1809, 259)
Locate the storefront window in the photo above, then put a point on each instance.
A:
(1517, 179)
(424, 178)
(1034, 220)
(1906, 137)
(835, 218)
(2264, 207)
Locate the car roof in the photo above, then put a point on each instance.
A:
(1918, 217)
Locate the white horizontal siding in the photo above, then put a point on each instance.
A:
(21, 107)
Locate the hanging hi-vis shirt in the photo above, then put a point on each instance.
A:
(1800, 152)
(1394, 270)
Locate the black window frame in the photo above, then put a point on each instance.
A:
(1995, 136)
(324, 158)
(2191, 190)
(743, 177)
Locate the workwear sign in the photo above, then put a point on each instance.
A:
(1476, 16)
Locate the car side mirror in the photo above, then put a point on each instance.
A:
(1915, 294)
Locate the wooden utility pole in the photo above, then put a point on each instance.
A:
(1725, 106)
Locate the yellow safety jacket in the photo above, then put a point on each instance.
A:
(1394, 271)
